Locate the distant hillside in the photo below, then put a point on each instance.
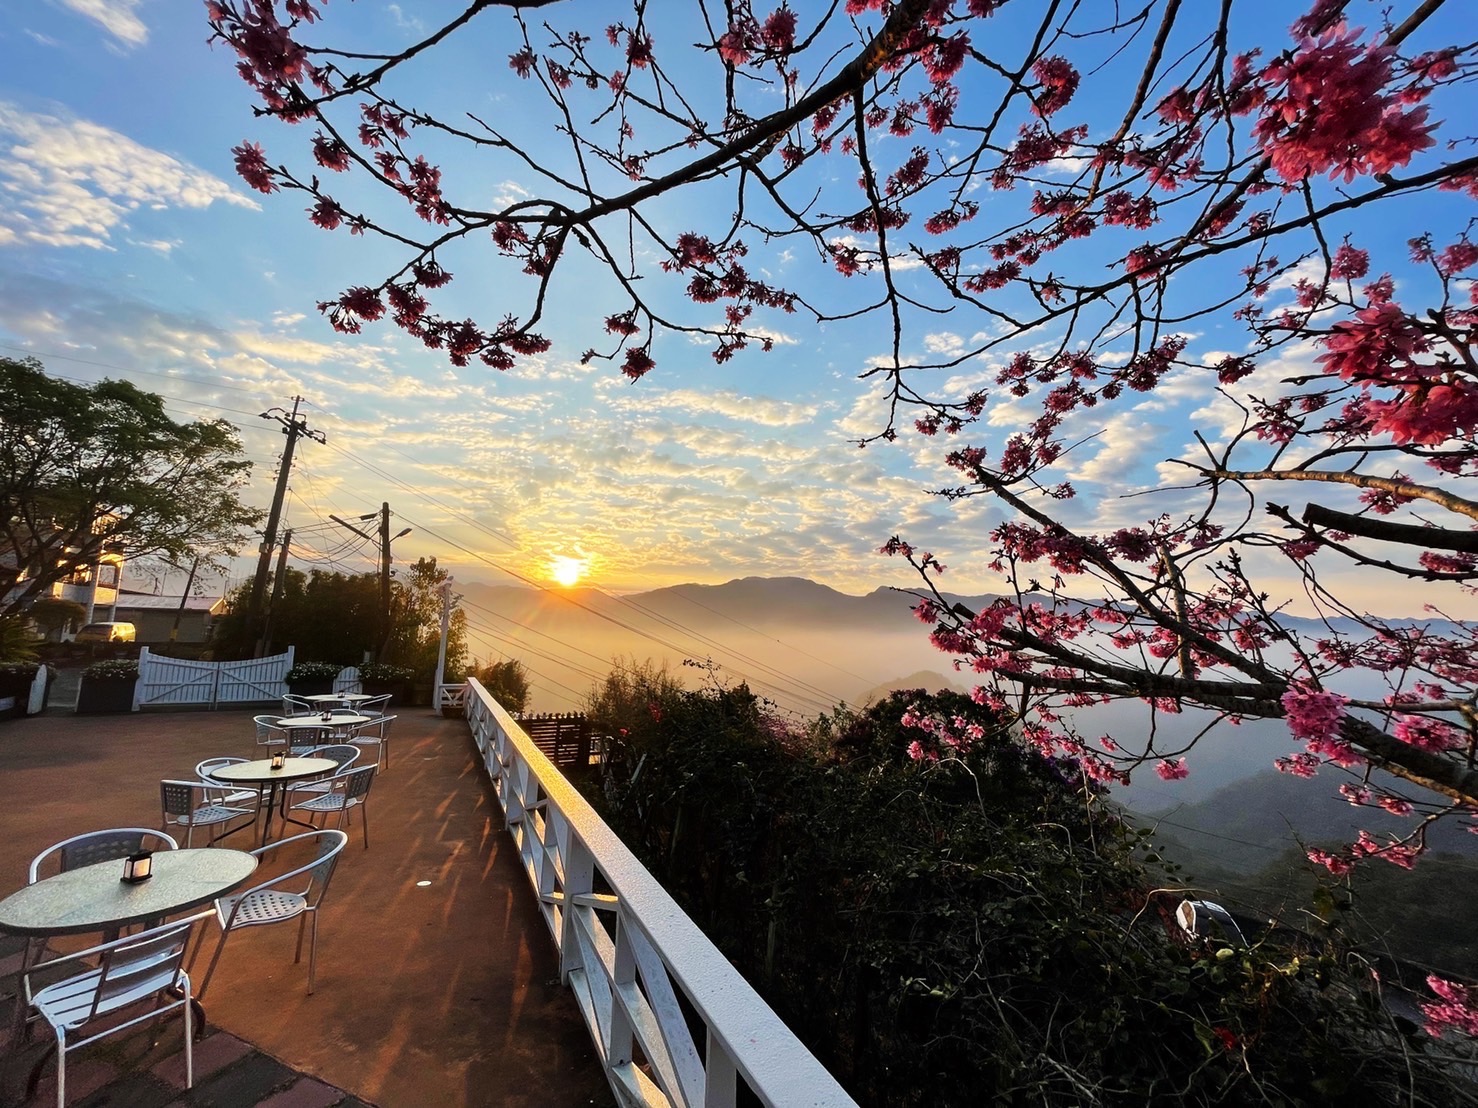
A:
(1246, 824)
(924, 679)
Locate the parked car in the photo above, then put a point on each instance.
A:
(106, 632)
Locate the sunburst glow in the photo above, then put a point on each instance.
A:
(566, 570)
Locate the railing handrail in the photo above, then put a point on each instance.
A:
(746, 1031)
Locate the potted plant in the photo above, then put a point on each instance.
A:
(377, 678)
(16, 679)
(107, 686)
(312, 678)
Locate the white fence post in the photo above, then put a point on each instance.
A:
(37, 698)
(138, 686)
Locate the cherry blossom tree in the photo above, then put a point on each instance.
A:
(1087, 184)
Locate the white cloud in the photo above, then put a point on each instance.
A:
(403, 21)
(944, 342)
(44, 40)
(68, 182)
(114, 16)
(163, 246)
(751, 409)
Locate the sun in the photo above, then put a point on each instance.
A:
(566, 570)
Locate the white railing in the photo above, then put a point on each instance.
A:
(627, 950)
(347, 680)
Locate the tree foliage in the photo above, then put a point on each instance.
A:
(333, 617)
(507, 681)
(978, 929)
(92, 469)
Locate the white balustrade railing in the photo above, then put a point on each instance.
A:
(640, 969)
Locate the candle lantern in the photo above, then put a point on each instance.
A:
(138, 867)
(277, 759)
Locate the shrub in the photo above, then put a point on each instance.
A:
(113, 669)
(979, 929)
(507, 682)
(313, 671)
(386, 674)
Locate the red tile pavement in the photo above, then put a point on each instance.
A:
(441, 993)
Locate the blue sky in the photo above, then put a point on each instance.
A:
(130, 248)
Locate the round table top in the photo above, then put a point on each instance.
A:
(259, 771)
(337, 719)
(339, 698)
(95, 898)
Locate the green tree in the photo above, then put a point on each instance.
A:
(415, 621)
(327, 617)
(53, 613)
(508, 683)
(93, 469)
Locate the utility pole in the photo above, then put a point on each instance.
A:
(292, 426)
(383, 540)
(279, 581)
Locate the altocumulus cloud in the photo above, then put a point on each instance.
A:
(70, 182)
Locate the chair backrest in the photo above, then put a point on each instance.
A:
(177, 798)
(375, 706)
(297, 706)
(140, 965)
(357, 782)
(204, 769)
(342, 753)
(99, 846)
(319, 871)
(267, 729)
(379, 727)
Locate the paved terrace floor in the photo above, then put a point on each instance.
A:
(444, 995)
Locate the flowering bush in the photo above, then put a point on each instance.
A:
(113, 669)
(386, 674)
(313, 671)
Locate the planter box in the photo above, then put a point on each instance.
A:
(316, 687)
(103, 695)
(15, 695)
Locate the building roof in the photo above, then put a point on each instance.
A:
(146, 602)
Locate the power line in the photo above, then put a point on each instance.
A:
(812, 696)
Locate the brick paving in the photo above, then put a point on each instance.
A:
(437, 980)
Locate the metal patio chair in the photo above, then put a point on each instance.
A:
(269, 734)
(222, 793)
(297, 706)
(297, 894)
(346, 792)
(190, 804)
(98, 846)
(139, 969)
(376, 733)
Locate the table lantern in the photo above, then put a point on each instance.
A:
(138, 867)
(277, 759)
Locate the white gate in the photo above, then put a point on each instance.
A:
(253, 679)
(184, 681)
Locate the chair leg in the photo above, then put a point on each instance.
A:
(312, 950)
(61, 1068)
(211, 969)
(189, 1039)
(364, 821)
(298, 953)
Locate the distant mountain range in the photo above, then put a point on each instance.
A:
(1247, 824)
